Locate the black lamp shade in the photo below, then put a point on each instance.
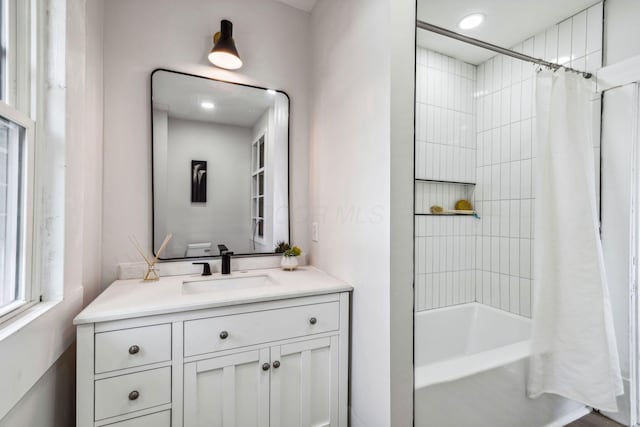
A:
(224, 53)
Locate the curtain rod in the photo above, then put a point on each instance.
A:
(452, 34)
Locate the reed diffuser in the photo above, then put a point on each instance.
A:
(152, 273)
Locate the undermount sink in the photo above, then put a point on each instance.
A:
(227, 284)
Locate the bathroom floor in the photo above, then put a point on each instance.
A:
(594, 420)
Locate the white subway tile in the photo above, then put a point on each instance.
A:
(487, 119)
(516, 66)
(525, 218)
(514, 218)
(505, 143)
(495, 290)
(564, 42)
(525, 297)
(514, 178)
(525, 179)
(495, 113)
(527, 46)
(505, 103)
(539, 44)
(486, 257)
(525, 258)
(437, 88)
(505, 299)
(428, 291)
(488, 144)
(506, 71)
(514, 257)
(495, 181)
(449, 287)
(579, 35)
(551, 46)
(516, 129)
(428, 255)
(486, 180)
(421, 134)
(527, 99)
(525, 142)
(594, 28)
(516, 101)
(514, 295)
(495, 146)
(495, 254)
(505, 173)
(497, 72)
(486, 288)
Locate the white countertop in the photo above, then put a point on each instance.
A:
(126, 299)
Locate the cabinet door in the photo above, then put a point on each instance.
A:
(228, 391)
(304, 384)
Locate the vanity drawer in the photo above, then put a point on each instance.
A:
(159, 419)
(128, 348)
(132, 392)
(239, 330)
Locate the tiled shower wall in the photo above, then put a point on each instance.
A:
(500, 110)
(445, 151)
(506, 161)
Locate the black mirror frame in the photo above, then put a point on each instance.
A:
(153, 237)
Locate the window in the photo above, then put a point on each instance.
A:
(16, 156)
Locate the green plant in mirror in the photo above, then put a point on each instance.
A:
(282, 247)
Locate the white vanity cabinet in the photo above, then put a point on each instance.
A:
(281, 362)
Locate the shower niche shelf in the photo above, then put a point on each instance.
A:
(444, 193)
(439, 181)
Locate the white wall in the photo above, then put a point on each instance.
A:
(350, 183)
(621, 30)
(51, 400)
(225, 217)
(354, 164)
(621, 33)
(141, 35)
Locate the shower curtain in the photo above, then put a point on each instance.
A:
(574, 352)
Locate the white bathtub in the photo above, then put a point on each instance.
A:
(470, 370)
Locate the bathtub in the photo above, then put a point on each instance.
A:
(470, 370)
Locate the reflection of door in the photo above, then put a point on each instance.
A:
(258, 169)
(619, 232)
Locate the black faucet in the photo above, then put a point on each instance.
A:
(226, 262)
(206, 268)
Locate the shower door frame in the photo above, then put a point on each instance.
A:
(622, 74)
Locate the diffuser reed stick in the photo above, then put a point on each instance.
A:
(152, 273)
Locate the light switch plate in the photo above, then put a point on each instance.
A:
(314, 231)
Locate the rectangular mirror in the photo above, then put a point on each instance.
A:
(220, 166)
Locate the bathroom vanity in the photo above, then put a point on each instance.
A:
(259, 348)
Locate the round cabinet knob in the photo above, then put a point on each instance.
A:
(134, 395)
(134, 349)
(276, 364)
(224, 335)
(265, 367)
(313, 320)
